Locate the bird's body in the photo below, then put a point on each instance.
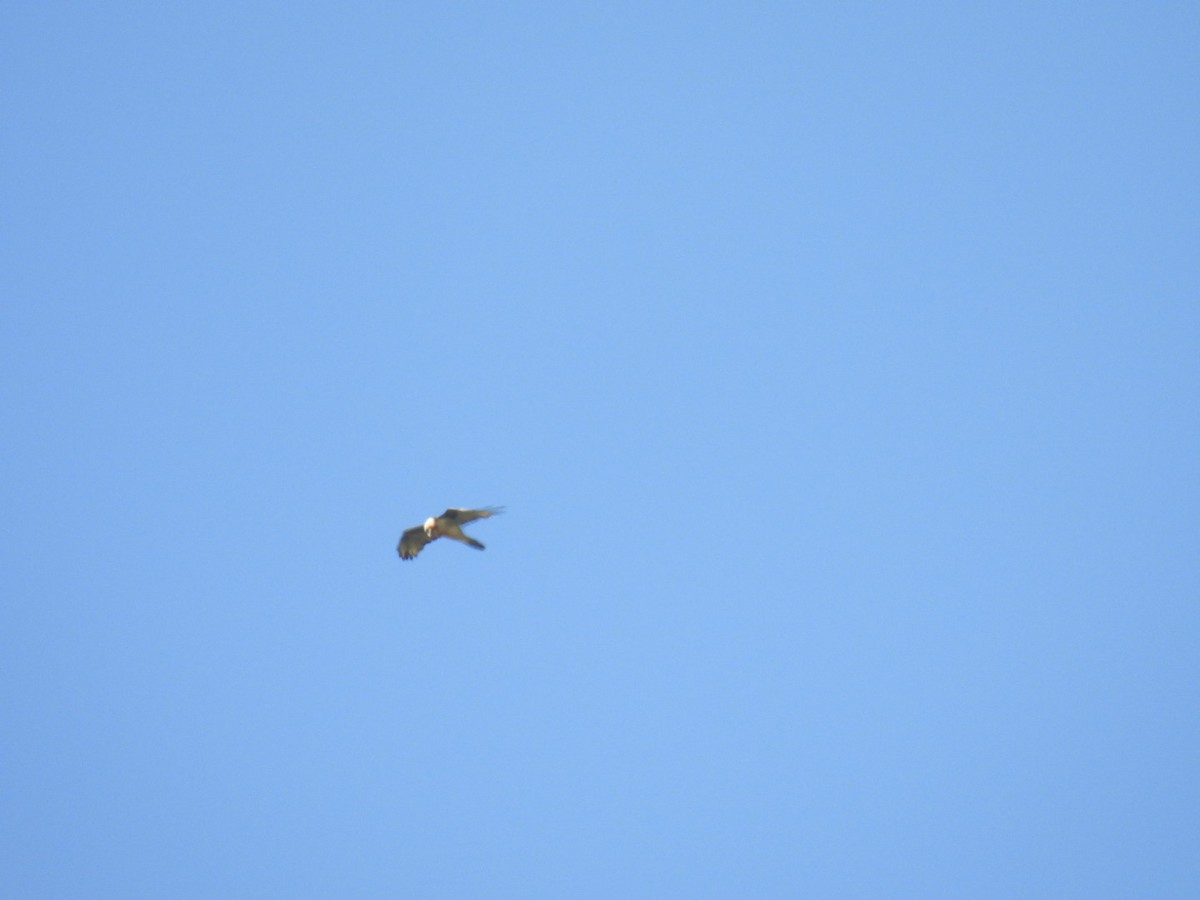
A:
(448, 524)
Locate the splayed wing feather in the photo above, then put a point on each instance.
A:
(411, 542)
(462, 516)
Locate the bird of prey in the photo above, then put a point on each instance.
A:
(448, 524)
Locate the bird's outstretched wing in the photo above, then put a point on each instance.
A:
(411, 542)
(457, 516)
(448, 524)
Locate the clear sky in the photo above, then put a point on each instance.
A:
(838, 365)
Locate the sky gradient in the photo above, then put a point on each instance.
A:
(838, 367)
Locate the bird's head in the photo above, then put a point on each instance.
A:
(431, 527)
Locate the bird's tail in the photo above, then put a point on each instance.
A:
(459, 535)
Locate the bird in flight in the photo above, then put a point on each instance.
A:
(448, 524)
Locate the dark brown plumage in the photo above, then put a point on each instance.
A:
(448, 524)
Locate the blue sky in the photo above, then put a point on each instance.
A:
(837, 364)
